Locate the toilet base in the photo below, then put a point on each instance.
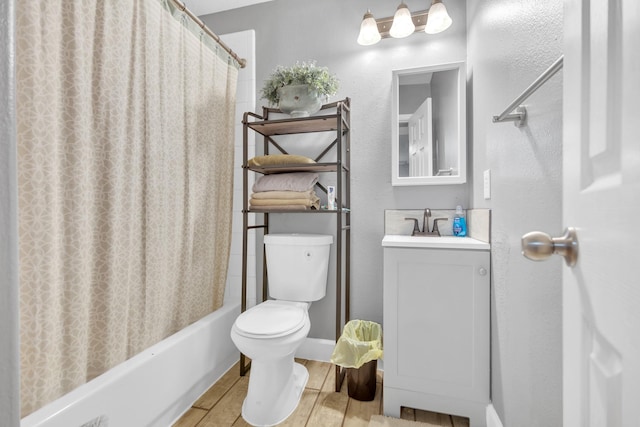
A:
(274, 392)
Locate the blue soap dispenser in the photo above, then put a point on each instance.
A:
(459, 223)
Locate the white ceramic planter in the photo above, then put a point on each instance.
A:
(299, 101)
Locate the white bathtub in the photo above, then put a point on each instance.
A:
(153, 388)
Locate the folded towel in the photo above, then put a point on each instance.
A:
(313, 201)
(282, 208)
(284, 194)
(295, 181)
(278, 159)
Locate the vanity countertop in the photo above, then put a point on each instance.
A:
(444, 242)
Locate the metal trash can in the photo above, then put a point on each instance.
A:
(361, 382)
(358, 350)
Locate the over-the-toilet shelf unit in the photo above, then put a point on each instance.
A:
(333, 120)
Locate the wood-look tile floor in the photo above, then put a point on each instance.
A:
(320, 405)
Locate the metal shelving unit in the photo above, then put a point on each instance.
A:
(333, 120)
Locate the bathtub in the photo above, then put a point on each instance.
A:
(153, 388)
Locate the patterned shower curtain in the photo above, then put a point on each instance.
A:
(125, 139)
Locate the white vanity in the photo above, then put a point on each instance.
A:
(436, 325)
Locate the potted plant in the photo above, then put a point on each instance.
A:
(300, 89)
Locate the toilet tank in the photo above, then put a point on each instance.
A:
(297, 265)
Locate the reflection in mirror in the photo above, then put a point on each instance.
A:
(429, 144)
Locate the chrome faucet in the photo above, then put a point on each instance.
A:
(425, 225)
(425, 220)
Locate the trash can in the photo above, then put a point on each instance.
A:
(358, 349)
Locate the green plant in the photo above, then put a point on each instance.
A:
(306, 73)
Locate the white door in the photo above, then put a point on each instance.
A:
(601, 294)
(421, 139)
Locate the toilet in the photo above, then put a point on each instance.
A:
(271, 332)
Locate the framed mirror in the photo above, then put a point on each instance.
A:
(428, 114)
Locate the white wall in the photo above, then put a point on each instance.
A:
(9, 356)
(509, 44)
(242, 43)
(326, 31)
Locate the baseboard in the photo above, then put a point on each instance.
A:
(316, 349)
(493, 420)
(321, 350)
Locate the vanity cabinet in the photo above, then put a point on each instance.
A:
(436, 328)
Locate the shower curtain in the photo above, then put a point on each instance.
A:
(125, 140)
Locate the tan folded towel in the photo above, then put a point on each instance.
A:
(284, 194)
(295, 181)
(312, 201)
(279, 159)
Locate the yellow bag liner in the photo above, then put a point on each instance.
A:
(360, 342)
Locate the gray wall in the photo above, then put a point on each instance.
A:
(412, 96)
(326, 31)
(9, 359)
(445, 110)
(509, 44)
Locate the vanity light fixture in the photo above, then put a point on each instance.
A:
(369, 33)
(404, 23)
(438, 20)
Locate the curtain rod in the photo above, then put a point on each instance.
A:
(194, 18)
(519, 117)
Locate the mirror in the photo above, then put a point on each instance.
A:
(429, 125)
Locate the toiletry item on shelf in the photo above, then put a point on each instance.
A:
(331, 198)
(459, 223)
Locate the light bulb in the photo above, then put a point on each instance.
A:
(402, 23)
(438, 19)
(369, 33)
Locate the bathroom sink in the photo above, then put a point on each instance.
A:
(444, 242)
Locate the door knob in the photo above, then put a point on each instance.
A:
(538, 246)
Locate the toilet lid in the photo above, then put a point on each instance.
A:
(271, 319)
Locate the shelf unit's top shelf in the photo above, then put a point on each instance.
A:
(323, 123)
(287, 126)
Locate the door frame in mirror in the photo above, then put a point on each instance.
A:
(461, 127)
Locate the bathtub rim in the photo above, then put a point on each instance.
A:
(68, 407)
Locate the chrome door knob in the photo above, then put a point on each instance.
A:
(538, 246)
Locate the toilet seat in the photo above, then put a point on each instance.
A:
(271, 319)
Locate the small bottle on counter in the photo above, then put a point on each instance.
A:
(459, 223)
